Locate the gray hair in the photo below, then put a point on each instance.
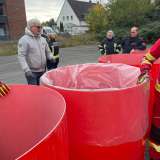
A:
(110, 31)
(33, 22)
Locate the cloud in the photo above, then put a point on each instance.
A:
(44, 9)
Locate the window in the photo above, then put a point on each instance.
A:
(63, 18)
(72, 18)
(2, 29)
(2, 32)
(1, 9)
(67, 18)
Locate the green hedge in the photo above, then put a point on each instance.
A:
(150, 32)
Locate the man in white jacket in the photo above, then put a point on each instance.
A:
(33, 52)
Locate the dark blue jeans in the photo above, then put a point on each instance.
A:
(36, 79)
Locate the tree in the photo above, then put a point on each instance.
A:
(157, 2)
(126, 13)
(49, 23)
(121, 15)
(97, 18)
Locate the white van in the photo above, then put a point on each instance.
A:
(48, 30)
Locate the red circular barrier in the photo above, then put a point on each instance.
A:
(33, 124)
(135, 60)
(107, 111)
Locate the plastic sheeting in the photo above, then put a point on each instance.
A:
(33, 124)
(107, 111)
(93, 76)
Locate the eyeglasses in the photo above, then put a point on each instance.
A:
(39, 27)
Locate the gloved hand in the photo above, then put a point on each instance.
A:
(144, 76)
(29, 74)
(52, 61)
(4, 89)
(100, 47)
(145, 70)
(132, 51)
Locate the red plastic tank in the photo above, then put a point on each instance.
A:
(131, 59)
(107, 111)
(33, 124)
(135, 59)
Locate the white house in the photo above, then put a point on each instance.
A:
(72, 15)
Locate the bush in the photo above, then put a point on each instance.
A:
(119, 33)
(151, 31)
(100, 36)
(83, 39)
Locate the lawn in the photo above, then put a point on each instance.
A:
(8, 48)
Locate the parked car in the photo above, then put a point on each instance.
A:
(48, 30)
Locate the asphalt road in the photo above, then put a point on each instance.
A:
(10, 70)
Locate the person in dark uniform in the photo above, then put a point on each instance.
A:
(133, 42)
(109, 44)
(54, 47)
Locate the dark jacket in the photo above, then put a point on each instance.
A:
(53, 45)
(110, 46)
(130, 43)
(54, 48)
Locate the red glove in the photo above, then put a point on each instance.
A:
(4, 89)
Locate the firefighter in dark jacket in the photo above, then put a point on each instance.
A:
(109, 44)
(54, 47)
(133, 42)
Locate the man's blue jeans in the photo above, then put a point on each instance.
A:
(36, 79)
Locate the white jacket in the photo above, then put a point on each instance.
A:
(33, 51)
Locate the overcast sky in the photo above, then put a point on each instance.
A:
(45, 9)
